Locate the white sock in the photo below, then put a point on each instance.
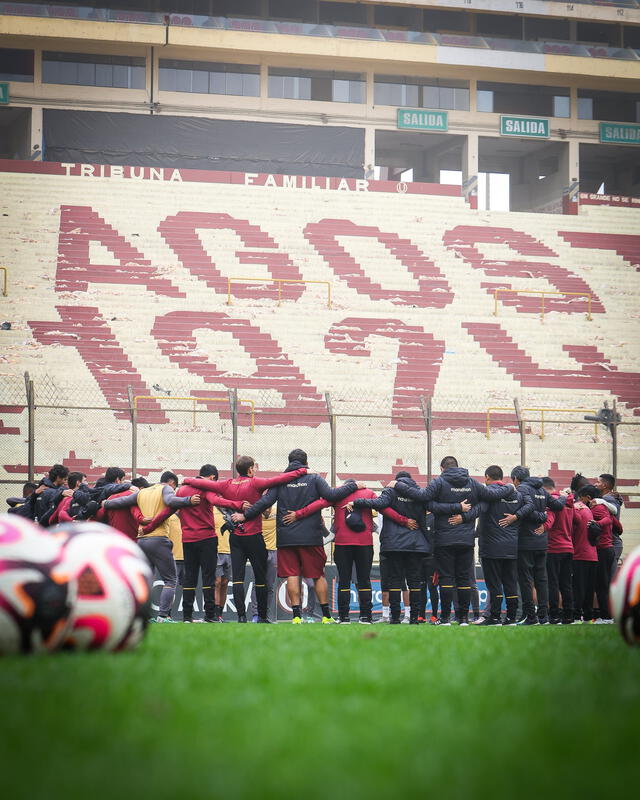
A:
(407, 612)
(385, 612)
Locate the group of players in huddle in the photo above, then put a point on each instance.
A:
(543, 552)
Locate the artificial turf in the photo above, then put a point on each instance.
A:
(316, 711)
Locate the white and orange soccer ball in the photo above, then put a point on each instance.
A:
(36, 597)
(112, 579)
(625, 598)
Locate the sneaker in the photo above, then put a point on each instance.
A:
(242, 617)
(601, 621)
(365, 621)
(342, 621)
(568, 622)
(463, 621)
(209, 619)
(554, 621)
(476, 617)
(328, 621)
(309, 620)
(510, 622)
(254, 618)
(297, 621)
(421, 620)
(433, 620)
(486, 621)
(261, 621)
(405, 621)
(394, 621)
(386, 620)
(445, 623)
(528, 621)
(189, 621)
(165, 619)
(543, 621)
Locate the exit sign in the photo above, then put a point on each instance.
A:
(421, 119)
(4, 94)
(525, 127)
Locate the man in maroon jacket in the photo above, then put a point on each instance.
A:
(559, 527)
(246, 541)
(602, 514)
(585, 561)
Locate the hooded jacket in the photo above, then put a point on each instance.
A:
(559, 527)
(540, 500)
(495, 541)
(443, 497)
(298, 493)
(394, 536)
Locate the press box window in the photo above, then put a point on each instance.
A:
(206, 77)
(80, 69)
(609, 106)
(402, 91)
(337, 87)
(16, 65)
(516, 98)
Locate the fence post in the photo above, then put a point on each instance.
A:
(31, 425)
(332, 427)
(523, 442)
(614, 440)
(233, 407)
(133, 412)
(426, 413)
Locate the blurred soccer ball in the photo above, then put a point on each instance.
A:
(35, 594)
(625, 598)
(113, 586)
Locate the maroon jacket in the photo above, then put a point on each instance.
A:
(197, 521)
(559, 527)
(602, 516)
(582, 550)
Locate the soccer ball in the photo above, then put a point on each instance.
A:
(625, 598)
(113, 587)
(35, 595)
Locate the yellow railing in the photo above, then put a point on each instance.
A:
(279, 281)
(542, 417)
(4, 281)
(543, 293)
(196, 400)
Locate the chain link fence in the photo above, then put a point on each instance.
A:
(44, 421)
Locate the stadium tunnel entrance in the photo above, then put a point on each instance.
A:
(539, 171)
(610, 169)
(422, 155)
(15, 132)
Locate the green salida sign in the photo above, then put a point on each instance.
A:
(422, 119)
(619, 134)
(525, 127)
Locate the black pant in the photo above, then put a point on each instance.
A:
(501, 577)
(202, 555)
(603, 580)
(454, 564)
(584, 585)
(428, 570)
(560, 572)
(253, 548)
(346, 556)
(532, 570)
(401, 566)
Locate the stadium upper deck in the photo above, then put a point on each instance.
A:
(547, 93)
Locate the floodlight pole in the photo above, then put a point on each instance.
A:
(426, 414)
(523, 441)
(614, 440)
(31, 414)
(133, 412)
(332, 427)
(233, 407)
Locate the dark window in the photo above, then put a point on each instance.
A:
(507, 25)
(237, 8)
(609, 106)
(84, 69)
(539, 29)
(299, 84)
(455, 21)
(394, 17)
(399, 90)
(343, 13)
(598, 33)
(515, 98)
(294, 10)
(632, 36)
(206, 77)
(16, 65)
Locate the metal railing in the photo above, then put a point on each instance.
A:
(195, 400)
(4, 280)
(279, 281)
(542, 419)
(543, 293)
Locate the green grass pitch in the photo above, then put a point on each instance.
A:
(312, 711)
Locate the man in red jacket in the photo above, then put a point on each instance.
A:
(353, 545)
(559, 527)
(585, 561)
(200, 545)
(61, 512)
(246, 541)
(602, 514)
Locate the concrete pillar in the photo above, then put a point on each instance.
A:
(470, 169)
(369, 151)
(570, 171)
(35, 134)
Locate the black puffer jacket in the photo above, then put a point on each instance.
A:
(395, 537)
(294, 496)
(540, 500)
(495, 541)
(443, 497)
